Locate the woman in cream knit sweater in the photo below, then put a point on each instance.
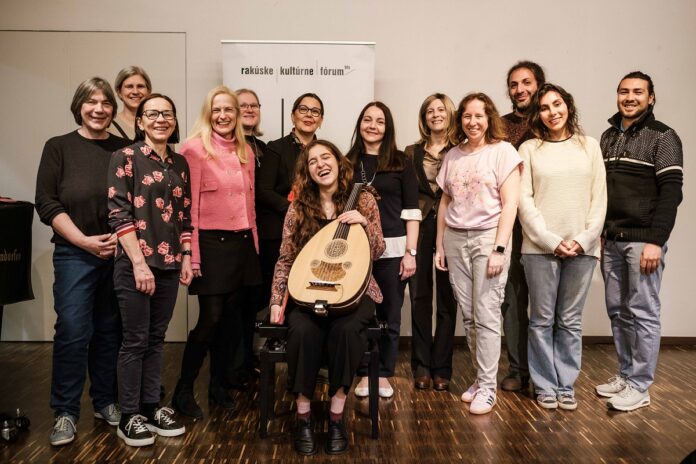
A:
(562, 207)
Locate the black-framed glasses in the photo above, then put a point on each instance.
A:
(250, 106)
(152, 115)
(302, 109)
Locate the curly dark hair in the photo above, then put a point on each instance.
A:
(538, 127)
(307, 203)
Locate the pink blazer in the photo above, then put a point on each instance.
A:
(222, 190)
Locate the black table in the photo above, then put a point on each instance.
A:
(15, 253)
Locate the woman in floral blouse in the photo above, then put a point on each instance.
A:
(324, 178)
(149, 210)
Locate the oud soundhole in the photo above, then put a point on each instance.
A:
(336, 248)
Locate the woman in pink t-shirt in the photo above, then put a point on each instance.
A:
(480, 181)
(224, 244)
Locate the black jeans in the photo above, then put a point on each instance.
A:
(386, 273)
(431, 356)
(145, 320)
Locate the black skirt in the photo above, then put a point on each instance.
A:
(228, 262)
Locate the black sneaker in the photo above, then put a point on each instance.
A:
(163, 424)
(134, 432)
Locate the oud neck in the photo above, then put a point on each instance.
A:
(343, 229)
(353, 198)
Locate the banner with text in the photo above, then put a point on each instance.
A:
(342, 74)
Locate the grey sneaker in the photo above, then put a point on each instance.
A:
(613, 386)
(547, 401)
(111, 414)
(63, 430)
(629, 399)
(567, 401)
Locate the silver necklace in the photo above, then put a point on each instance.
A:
(363, 176)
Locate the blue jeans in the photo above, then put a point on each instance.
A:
(633, 305)
(87, 330)
(557, 292)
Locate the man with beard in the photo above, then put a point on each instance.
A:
(523, 80)
(643, 159)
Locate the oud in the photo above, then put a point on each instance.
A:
(332, 271)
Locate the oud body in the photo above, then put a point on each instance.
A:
(332, 271)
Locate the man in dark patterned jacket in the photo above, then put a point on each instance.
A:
(643, 159)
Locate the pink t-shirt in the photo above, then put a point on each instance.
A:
(473, 182)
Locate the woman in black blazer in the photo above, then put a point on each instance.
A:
(431, 357)
(274, 180)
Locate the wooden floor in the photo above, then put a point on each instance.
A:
(415, 426)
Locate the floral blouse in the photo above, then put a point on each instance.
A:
(367, 206)
(152, 198)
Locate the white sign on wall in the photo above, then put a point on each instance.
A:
(342, 74)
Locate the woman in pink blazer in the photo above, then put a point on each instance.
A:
(224, 244)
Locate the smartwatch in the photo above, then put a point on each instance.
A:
(499, 249)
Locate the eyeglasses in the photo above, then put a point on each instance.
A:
(302, 109)
(250, 106)
(152, 115)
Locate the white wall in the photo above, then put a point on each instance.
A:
(450, 46)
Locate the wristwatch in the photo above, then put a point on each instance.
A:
(186, 253)
(499, 249)
(411, 251)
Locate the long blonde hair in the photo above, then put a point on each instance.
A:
(204, 130)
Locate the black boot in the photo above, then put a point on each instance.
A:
(337, 441)
(219, 394)
(184, 402)
(305, 441)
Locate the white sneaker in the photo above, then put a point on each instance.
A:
(468, 396)
(629, 399)
(615, 385)
(484, 400)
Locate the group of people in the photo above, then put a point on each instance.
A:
(513, 211)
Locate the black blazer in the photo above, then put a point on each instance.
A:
(274, 180)
(427, 199)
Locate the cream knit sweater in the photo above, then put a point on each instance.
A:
(563, 194)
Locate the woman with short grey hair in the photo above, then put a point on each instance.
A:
(71, 198)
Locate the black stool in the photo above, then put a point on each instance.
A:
(273, 351)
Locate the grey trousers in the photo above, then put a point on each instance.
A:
(633, 306)
(478, 296)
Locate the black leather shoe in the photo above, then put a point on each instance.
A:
(305, 441)
(337, 441)
(184, 402)
(218, 394)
